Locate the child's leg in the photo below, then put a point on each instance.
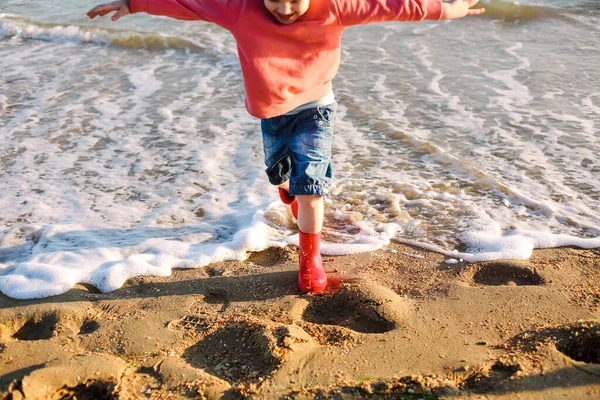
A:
(309, 180)
(298, 149)
(310, 213)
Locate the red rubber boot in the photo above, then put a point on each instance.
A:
(286, 198)
(311, 276)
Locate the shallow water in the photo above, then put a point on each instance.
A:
(127, 149)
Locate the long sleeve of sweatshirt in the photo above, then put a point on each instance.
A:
(224, 13)
(360, 12)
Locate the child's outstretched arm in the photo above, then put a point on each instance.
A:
(361, 12)
(121, 7)
(460, 8)
(221, 12)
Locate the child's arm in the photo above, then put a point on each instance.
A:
(360, 12)
(460, 8)
(221, 12)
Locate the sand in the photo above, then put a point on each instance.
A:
(398, 323)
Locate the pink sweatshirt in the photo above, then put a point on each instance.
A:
(286, 66)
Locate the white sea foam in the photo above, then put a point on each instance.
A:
(144, 81)
(57, 257)
(493, 244)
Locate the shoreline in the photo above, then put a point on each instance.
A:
(401, 322)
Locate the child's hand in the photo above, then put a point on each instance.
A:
(121, 7)
(460, 8)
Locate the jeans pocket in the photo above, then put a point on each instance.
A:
(327, 114)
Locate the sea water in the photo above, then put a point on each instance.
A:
(126, 149)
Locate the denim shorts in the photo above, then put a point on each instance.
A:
(298, 147)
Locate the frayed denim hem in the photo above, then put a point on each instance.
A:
(310, 190)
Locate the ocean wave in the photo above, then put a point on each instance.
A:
(509, 10)
(15, 26)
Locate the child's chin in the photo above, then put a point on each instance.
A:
(287, 21)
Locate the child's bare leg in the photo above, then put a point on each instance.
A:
(310, 214)
(285, 186)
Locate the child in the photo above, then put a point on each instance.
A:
(289, 52)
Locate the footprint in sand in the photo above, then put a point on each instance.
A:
(44, 325)
(235, 352)
(339, 317)
(503, 274)
(39, 327)
(242, 349)
(190, 322)
(80, 376)
(579, 343)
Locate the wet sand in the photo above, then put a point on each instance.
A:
(398, 323)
